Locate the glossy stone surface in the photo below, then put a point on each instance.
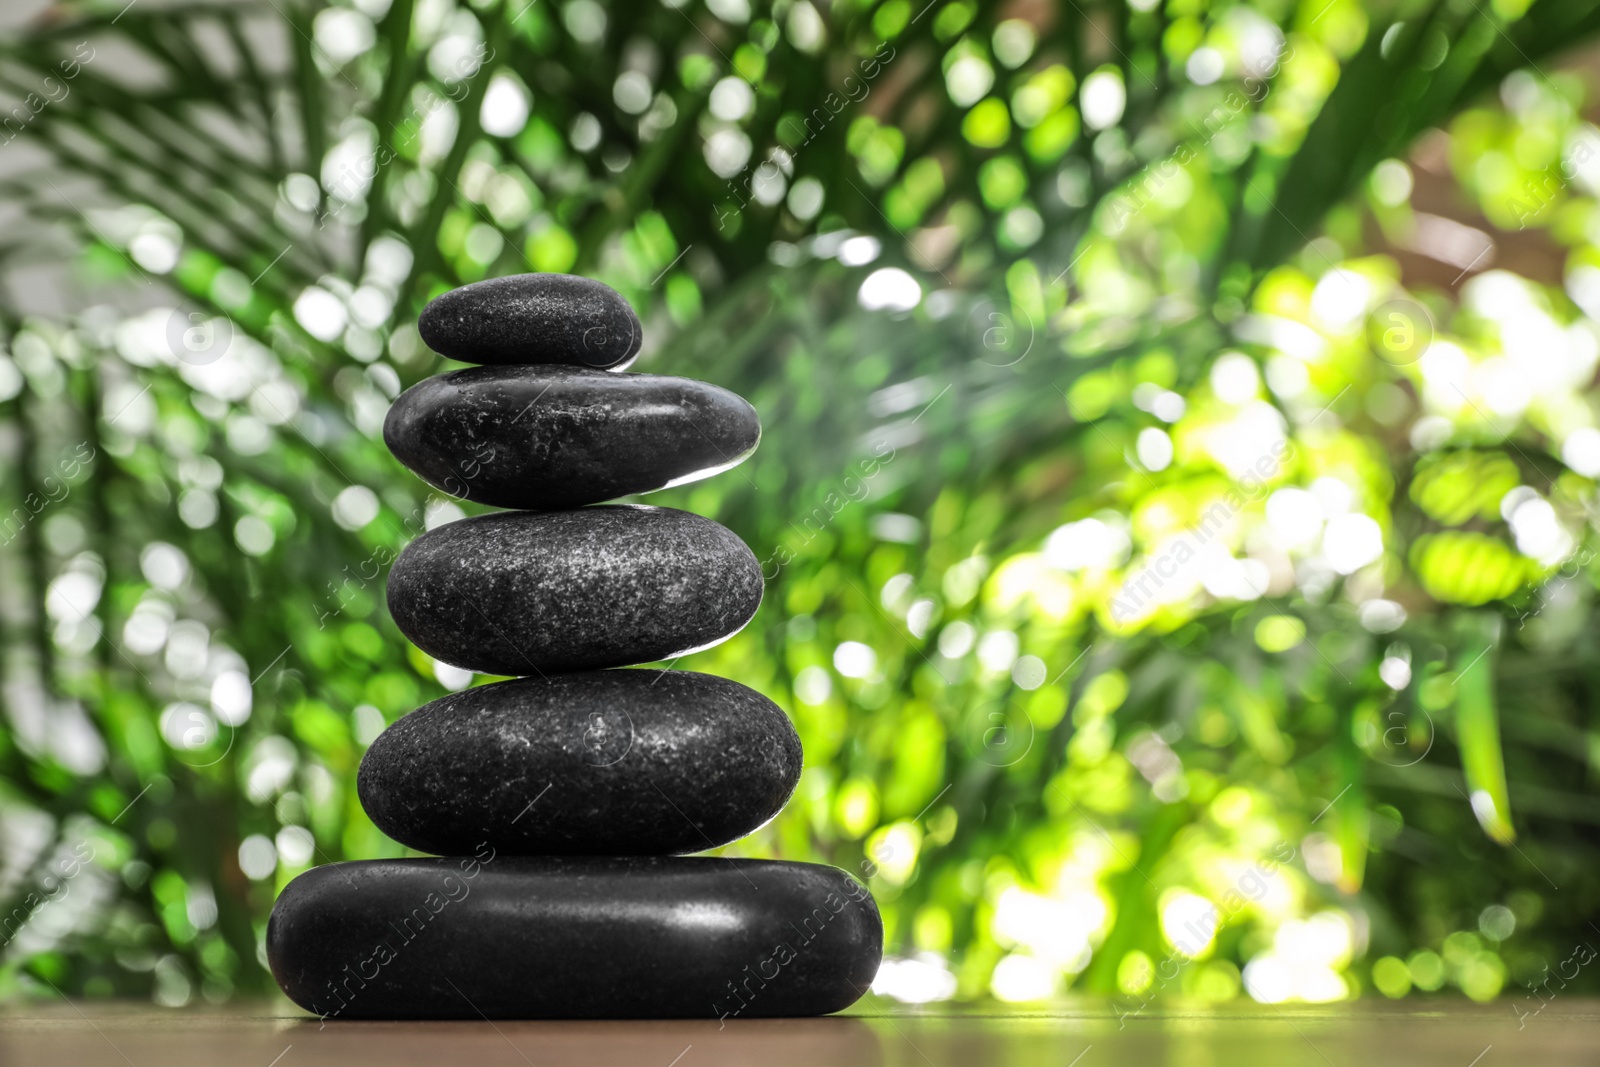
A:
(507, 937)
(533, 318)
(562, 437)
(596, 763)
(543, 591)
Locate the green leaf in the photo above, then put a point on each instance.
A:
(1478, 733)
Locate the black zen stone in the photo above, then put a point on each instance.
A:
(597, 763)
(573, 938)
(533, 318)
(536, 591)
(562, 437)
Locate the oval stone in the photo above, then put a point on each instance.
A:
(604, 763)
(533, 318)
(562, 437)
(508, 937)
(535, 591)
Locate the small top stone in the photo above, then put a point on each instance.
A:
(533, 318)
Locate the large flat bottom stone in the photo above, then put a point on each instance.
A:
(504, 937)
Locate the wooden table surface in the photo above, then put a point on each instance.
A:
(1415, 1033)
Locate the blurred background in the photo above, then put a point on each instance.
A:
(1177, 498)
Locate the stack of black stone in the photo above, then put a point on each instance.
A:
(560, 802)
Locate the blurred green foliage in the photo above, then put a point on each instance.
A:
(1178, 584)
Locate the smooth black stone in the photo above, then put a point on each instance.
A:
(601, 763)
(540, 591)
(562, 437)
(565, 938)
(533, 318)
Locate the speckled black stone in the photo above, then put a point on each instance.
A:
(562, 437)
(601, 763)
(534, 592)
(533, 318)
(573, 938)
